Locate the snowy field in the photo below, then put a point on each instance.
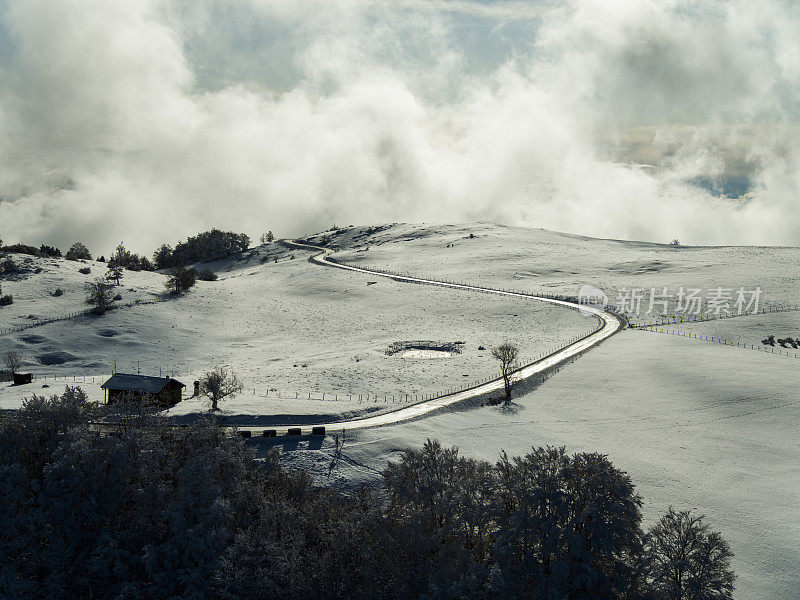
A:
(697, 425)
(751, 329)
(293, 331)
(540, 260)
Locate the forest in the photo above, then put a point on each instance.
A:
(141, 509)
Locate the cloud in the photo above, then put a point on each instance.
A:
(153, 119)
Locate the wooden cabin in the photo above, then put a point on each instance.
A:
(163, 391)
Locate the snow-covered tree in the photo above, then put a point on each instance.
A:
(12, 361)
(441, 504)
(686, 561)
(152, 511)
(568, 526)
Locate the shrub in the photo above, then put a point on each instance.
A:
(84, 270)
(8, 265)
(98, 294)
(206, 275)
(58, 292)
(5, 300)
(180, 279)
(145, 264)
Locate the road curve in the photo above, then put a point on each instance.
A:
(611, 325)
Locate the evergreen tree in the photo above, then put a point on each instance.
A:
(181, 279)
(78, 251)
(98, 294)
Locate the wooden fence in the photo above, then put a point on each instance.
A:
(717, 340)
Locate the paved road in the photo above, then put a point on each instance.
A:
(611, 325)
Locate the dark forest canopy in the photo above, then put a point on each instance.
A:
(153, 511)
(203, 247)
(214, 244)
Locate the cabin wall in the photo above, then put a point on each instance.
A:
(167, 397)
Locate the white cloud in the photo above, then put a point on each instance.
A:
(150, 120)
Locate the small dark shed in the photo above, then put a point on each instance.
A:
(22, 378)
(162, 390)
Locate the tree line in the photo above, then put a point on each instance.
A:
(207, 246)
(145, 510)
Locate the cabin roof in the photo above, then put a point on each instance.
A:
(138, 383)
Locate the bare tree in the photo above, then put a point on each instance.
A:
(507, 354)
(12, 361)
(218, 384)
(98, 294)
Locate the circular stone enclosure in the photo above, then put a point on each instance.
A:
(426, 349)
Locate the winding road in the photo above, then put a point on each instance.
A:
(611, 325)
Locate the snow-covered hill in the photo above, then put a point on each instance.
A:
(293, 331)
(698, 425)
